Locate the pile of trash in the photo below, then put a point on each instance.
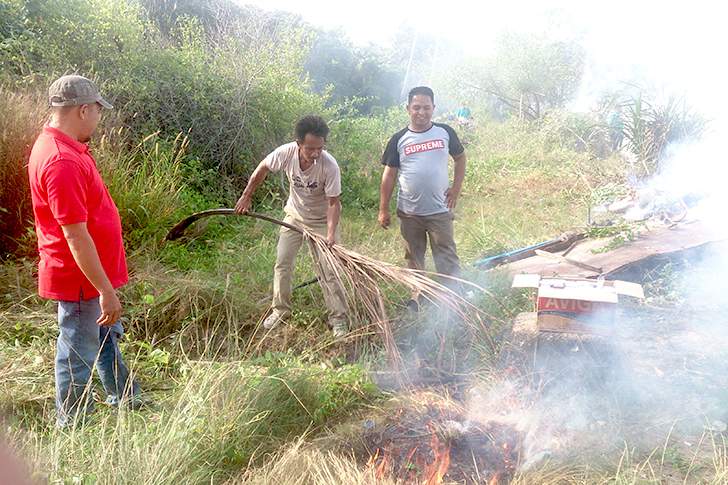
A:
(642, 205)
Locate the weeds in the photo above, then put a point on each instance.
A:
(649, 126)
(620, 234)
(145, 183)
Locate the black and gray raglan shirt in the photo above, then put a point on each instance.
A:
(422, 161)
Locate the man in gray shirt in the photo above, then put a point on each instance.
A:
(417, 157)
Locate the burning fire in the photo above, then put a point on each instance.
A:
(439, 447)
(435, 471)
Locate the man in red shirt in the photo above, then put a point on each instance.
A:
(82, 260)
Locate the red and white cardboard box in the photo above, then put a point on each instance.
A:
(577, 305)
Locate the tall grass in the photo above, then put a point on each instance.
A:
(220, 419)
(21, 122)
(650, 126)
(146, 183)
(526, 183)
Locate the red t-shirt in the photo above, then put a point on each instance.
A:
(66, 188)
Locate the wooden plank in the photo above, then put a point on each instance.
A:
(656, 241)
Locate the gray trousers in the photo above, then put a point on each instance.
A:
(438, 228)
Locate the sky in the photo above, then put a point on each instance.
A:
(679, 46)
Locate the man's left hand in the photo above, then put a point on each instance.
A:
(330, 241)
(451, 197)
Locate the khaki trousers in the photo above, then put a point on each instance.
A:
(289, 242)
(439, 229)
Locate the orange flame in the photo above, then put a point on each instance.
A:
(381, 468)
(495, 479)
(373, 459)
(435, 471)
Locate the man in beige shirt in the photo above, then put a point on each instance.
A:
(313, 203)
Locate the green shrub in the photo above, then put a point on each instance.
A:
(235, 96)
(146, 184)
(357, 143)
(649, 126)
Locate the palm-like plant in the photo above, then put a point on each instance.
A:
(649, 127)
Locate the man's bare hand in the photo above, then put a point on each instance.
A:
(384, 219)
(110, 309)
(243, 205)
(331, 240)
(451, 197)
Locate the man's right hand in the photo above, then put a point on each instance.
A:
(110, 308)
(243, 205)
(384, 219)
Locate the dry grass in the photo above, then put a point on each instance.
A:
(301, 464)
(23, 116)
(202, 314)
(306, 463)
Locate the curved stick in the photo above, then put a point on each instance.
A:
(178, 230)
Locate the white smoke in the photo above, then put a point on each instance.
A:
(670, 363)
(697, 170)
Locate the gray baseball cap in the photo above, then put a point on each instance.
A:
(73, 90)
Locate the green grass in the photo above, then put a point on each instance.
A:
(228, 397)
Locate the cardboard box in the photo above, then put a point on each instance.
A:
(577, 305)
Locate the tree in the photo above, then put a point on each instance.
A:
(527, 76)
(347, 72)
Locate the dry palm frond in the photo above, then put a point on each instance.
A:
(363, 279)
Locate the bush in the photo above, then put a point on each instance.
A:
(357, 143)
(649, 126)
(235, 96)
(145, 182)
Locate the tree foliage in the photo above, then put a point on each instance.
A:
(235, 94)
(347, 72)
(234, 91)
(527, 76)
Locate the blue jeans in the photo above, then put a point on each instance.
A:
(81, 344)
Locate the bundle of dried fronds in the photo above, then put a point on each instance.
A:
(365, 280)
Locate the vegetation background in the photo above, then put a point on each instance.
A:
(202, 91)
